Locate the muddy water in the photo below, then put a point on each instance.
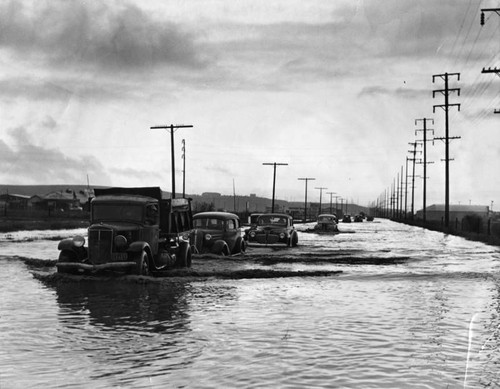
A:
(410, 309)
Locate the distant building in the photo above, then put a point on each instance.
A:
(63, 199)
(435, 212)
(211, 194)
(14, 201)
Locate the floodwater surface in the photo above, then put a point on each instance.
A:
(380, 305)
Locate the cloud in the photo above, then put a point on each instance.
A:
(111, 36)
(26, 163)
(406, 93)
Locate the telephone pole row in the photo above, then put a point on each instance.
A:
(424, 141)
(306, 179)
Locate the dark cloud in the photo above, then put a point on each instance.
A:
(107, 35)
(406, 93)
(37, 164)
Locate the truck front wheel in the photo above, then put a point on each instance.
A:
(184, 256)
(142, 265)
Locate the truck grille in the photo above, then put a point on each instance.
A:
(100, 245)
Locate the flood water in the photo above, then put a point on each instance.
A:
(410, 309)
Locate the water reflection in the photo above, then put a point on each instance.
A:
(117, 303)
(124, 331)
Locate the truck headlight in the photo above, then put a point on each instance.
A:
(208, 237)
(282, 235)
(78, 241)
(120, 242)
(252, 234)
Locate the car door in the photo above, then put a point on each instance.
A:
(231, 233)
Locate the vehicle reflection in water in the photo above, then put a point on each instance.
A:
(125, 328)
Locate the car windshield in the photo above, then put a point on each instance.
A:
(117, 212)
(209, 223)
(274, 220)
(326, 219)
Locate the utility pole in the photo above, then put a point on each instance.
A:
(446, 106)
(490, 70)
(406, 189)
(401, 197)
(414, 159)
(483, 10)
(320, 195)
(172, 127)
(274, 179)
(424, 162)
(183, 168)
(306, 179)
(497, 72)
(397, 197)
(331, 195)
(337, 204)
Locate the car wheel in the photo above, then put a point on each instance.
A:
(239, 246)
(184, 257)
(142, 265)
(67, 256)
(220, 248)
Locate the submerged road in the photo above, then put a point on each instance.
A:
(378, 305)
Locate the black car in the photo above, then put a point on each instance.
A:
(273, 228)
(217, 233)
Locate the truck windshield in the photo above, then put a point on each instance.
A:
(116, 212)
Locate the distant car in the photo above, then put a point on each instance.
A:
(326, 222)
(217, 233)
(358, 218)
(273, 228)
(346, 219)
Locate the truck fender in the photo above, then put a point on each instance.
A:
(66, 244)
(137, 247)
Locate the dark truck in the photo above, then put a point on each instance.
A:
(133, 230)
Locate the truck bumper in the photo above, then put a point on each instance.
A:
(89, 267)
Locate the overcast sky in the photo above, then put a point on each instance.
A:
(332, 88)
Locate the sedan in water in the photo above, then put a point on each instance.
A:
(273, 228)
(217, 233)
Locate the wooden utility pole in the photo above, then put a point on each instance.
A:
(424, 162)
(414, 160)
(483, 10)
(183, 168)
(490, 70)
(406, 189)
(320, 196)
(401, 197)
(446, 107)
(497, 72)
(172, 127)
(331, 196)
(274, 179)
(306, 179)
